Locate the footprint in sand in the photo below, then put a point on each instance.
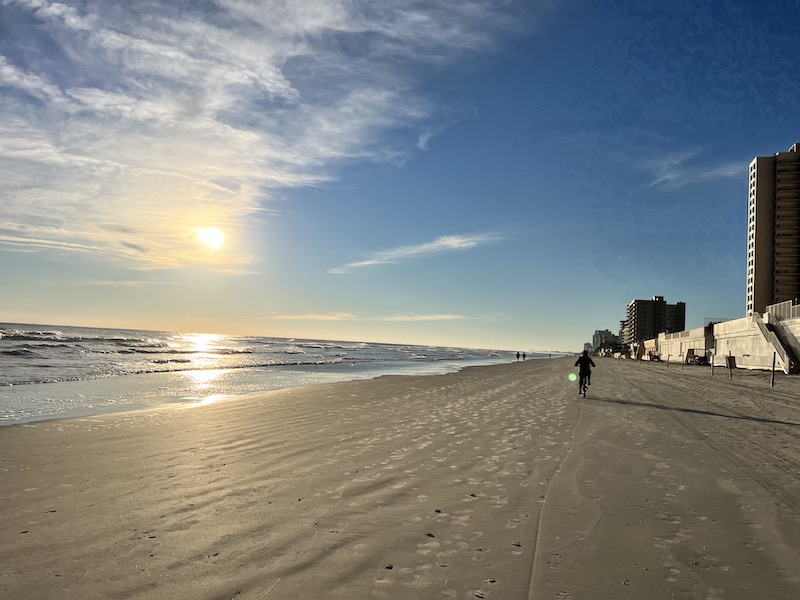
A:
(513, 523)
(554, 560)
(427, 547)
(462, 517)
(703, 560)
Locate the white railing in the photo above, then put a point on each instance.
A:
(784, 310)
(773, 340)
(788, 337)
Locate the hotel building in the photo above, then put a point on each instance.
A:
(773, 230)
(603, 337)
(645, 319)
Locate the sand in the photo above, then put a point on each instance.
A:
(495, 482)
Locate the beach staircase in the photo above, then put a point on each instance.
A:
(785, 338)
(778, 338)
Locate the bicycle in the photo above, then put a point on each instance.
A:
(584, 362)
(583, 384)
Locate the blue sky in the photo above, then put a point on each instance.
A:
(486, 174)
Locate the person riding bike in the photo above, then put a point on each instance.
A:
(585, 363)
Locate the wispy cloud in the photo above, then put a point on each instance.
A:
(123, 126)
(447, 243)
(124, 283)
(400, 318)
(313, 317)
(418, 318)
(680, 169)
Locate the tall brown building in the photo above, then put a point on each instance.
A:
(773, 230)
(645, 319)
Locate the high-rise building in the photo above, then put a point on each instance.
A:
(645, 319)
(676, 317)
(603, 337)
(773, 230)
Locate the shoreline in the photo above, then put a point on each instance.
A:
(29, 403)
(491, 482)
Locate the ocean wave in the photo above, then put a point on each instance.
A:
(156, 366)
(37, 336)
(361, 359)
(23, 352)
(30, 332)
(140, 350)
(333, 346)
(165, 361)
(142, 343)
(49, 354)
(146, 351)
(361, 346)
(34, 347)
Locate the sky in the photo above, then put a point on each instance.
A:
(490, 174)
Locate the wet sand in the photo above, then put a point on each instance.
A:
(495, 482)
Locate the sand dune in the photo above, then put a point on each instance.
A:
(495, 482)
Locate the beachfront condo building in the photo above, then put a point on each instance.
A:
(603, 338)
(645, 319)
(773, 230)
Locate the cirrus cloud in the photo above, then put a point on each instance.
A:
(127, 125)
(446, 243)
(342, 316)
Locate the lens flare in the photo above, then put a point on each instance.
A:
(572, 377)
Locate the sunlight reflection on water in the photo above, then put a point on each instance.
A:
(202, 379)
(201, 383)
(211, 399)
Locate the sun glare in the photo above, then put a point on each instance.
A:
(210, 236)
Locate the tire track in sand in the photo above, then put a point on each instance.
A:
(543, 507)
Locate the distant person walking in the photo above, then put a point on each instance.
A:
(524, 356)
(584, 363)
(517, 355)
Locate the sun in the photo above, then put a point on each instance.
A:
(210, 236)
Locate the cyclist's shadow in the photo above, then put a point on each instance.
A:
(693, 411)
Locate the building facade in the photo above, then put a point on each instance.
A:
(773, 230)
(645, 319)
(603, 338)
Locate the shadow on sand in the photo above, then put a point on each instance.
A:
(696, 411)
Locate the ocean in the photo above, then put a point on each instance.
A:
(50, 372)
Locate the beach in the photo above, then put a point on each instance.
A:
(492, 482)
